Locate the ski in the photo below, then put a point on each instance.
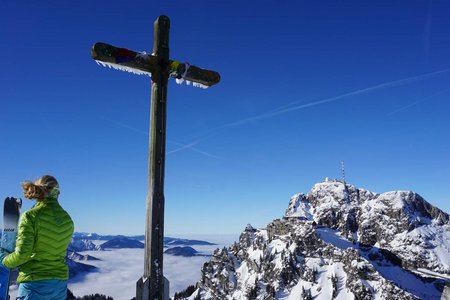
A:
(11, 213)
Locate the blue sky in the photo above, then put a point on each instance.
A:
(305, 85)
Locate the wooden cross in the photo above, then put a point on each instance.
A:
(153, 284)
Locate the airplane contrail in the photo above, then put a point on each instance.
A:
(377, 87)
(285, 108)
(381, 86)
(190, 147)
(125, 125)
(289, 104)
(181, 146)
(417, 102)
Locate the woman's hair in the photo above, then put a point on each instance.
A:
(41, 188)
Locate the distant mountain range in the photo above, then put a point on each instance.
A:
(84, 242)
(100, 237)
(168, 241)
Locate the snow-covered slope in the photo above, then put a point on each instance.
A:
(401, 222)
(337, 242)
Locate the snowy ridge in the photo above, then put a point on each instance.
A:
(79, 245)
(289, 261)
(401, 222)
(299, 207)
(337, 242)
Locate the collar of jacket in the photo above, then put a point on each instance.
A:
(46, 200)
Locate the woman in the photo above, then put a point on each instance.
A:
(44, 234)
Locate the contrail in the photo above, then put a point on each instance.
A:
(417, 102)
(285, 108)
(357, 92)
(377, 87)
(189, 146)
(404, 107)
(182, 146)
(125, 125)
(288, 105)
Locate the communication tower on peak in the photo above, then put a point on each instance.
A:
(343, 172)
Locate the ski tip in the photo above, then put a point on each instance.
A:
(12, 202)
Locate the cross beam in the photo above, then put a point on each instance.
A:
(146, 64)
(153, 285)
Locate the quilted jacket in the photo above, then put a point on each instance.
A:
(44, 234)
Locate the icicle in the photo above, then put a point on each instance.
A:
(194, 84)
(199, 85)
(123, 68)
(139, 72)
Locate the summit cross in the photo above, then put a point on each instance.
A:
(158, 65)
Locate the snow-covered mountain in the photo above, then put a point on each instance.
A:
(401, 222)
(337, 242)
(78, 245)
(79, 257)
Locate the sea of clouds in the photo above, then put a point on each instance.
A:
(119, 270)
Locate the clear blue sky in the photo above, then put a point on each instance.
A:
(305, 85)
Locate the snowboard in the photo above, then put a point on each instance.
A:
(11, 213)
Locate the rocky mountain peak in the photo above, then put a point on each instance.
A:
(337, 242)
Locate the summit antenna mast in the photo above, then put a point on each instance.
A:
(343, 172)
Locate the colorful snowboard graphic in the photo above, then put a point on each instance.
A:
(11, 212)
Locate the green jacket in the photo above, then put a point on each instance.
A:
(44, 234)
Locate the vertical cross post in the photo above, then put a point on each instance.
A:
(152, 284)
